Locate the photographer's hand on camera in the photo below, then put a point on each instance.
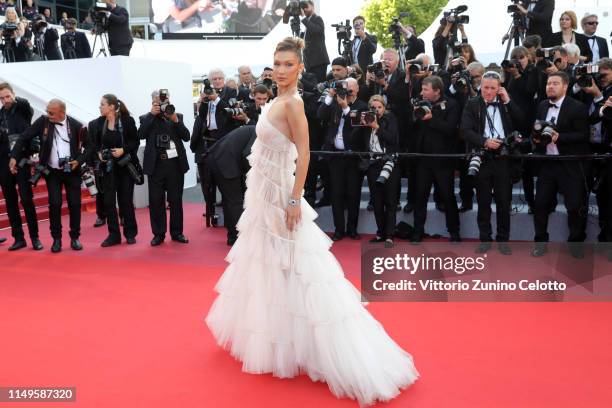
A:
(492, 144)
(593, 90)
(342, 102)
(13, 165)
(155, 109)
(117, 152)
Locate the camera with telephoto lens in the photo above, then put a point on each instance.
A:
(543, 131)
(206, 88)
(395, 28)
(164, 103)
(235, 107)
(517, 18)
(415, 66)
(64, 163)
(39, 171)
(548, 58)
(8, 30)
(462, 80)
(340, 86)
(162, 141)
(511, 144)
(586, 74)
(379, 70)
(453, 16)
(387, 169)
(474, 162)
(362, 118)
(343, 30)
(421, 107)
(98, 14)
(126, 162)
(294, 8)
(513, 63)
(88, 180)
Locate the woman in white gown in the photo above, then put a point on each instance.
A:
(284, 305)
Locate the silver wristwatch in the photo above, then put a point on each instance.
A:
(293, 202)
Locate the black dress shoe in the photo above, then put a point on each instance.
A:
(36, 245)
(354, 236)
(441, 207)
(75, 244)
(57, 246)
(530, 209)
(18, 244)
(539, 250)
(377, 240)
(504, 248)
(322, 203)
(110, 241)
(416, 238)
(370, 207)
(231, 240)
(180, 238)
(389, 243)
(99, 222)
(455, 238)
(2, 240)
(130, 240)
(465, 208)
(157, 240)
(337, 236)
(483, 248)
(408, 209)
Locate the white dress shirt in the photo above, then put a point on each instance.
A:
(494, 114)
(61, 144)
(552, 116)
(212, 119)
(594, 49)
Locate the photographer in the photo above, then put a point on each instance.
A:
(245, 76)
(364, 44)
(340, 136)
(46, 38)
(495, 136)
(465, 84)
(548, 62)
(381, 136)
(444, 39)
(74, 43)
(414, 45)
(436, 126)
(118, 26)
(114, 144)
(165, 164)
(15, 117)
(539, 14)
(251, 111)
(15, 42)
(567, 134)
(315, 51)
(61, 156)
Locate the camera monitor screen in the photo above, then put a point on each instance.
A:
(217, 16)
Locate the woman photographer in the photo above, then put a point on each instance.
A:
(382, 136)
(114, 145)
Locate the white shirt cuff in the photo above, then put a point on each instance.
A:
(328, 100)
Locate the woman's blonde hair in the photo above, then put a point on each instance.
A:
(572, 17)
(377, 98)
(291, 44)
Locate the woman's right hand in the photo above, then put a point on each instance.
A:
(100, 157)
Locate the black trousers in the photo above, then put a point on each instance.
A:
(320, 72)
(606, 198)
(123, 50)
(441, 172)
(9, 184)
(494, 182)
(166, 183)
(100, 213)
(72, 185)
(466, 184)
(208, 185)
(384, 197)
(345, 179)
(232, 191)
(568, 178)
(119, 189)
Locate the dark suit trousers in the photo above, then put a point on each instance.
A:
(233, 201)
(9, 184)
(384, 199)
(320, 72)
(208, 184)
(123, 50)
(119, 188)
(166, 183)
(441, 172)
(72, 184)
(607, 201)
(568, 179)
(345, 179)
(494, 181)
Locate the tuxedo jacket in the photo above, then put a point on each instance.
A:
(118, 25)
(153, 125)
(602, 44)
(540, 19)
(45, 129)
(51, 49)
(439, 134)
(315, 51)
(572, 124)
(474, 120)
(366, 50)
(414, 47)
(229, 155)
(330, 116)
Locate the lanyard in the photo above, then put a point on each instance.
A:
(494, 132)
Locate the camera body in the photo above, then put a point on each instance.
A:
(294, 8)
(454, 16)
(422, 107)
(415, 66)
(542, 131)
(511, 144)
(235, 107)
(340, 86)
(548, 58)
(162, 141)
(343, 30)
(164, 103)
(64, 163)
(585, 74)
(379, 70)
(9, 30)
(39, 171)
(462, 80)
(107, 156)
(510, 64)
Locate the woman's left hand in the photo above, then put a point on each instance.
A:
(118, 152)
(293, 217)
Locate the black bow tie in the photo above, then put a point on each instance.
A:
(58, 123)
(553, 105)
(492, 104)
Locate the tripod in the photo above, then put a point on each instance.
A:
(8, 53)
(515, 34)
(103, 37)
(295, 26)
(347, 52)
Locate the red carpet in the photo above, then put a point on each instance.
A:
(124, 325)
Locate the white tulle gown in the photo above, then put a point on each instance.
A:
(284, 305)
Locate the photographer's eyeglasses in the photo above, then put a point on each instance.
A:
(592, 23)
(491, 74)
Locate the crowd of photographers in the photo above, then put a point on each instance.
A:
(29, 36)
(406, 115)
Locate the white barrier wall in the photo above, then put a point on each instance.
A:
(81, 83)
